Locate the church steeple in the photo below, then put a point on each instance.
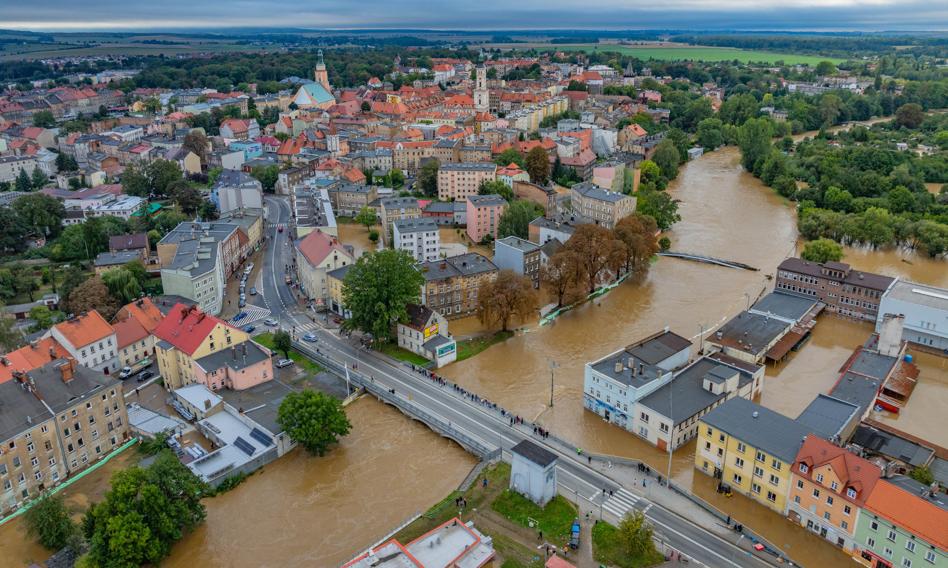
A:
(320, 75)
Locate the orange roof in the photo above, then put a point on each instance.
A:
(31, 357)
(144, 311)
(853, 471)
(84, 330)
(911, 511)
(354, 175)
(128, 332)
(636, 129)
(558, 562)
(459, 100)
(317, 245)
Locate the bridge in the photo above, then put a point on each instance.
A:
(709, 260)
(485, 429)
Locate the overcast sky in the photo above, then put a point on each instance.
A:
(478, 14)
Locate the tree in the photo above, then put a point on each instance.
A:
(122, 285)
(48, 521)
(44, 119)
(66, 163)
(24, 182)
(510, 156)
(659, 206)
(283, 342)
(13, 231)
(923, 475)
(636, 232)
(313, 419)
(562, 273)
(753, 137)
(43, 316)
(366, 217)
(39, 179)
(428, 177)
(509, 295)
(41, 213)
(537, 164)
(496, 187)
(710, 133)
(635, 536)
(10, 338)
(162, 174)
(396, 178)
(267, 176)
(909, 115)
(135, 181)
(667, 158)
(24, 282)
(365, 106)
(516, 219)
(206, 211)
(195, 141)
(822, 250)
(596, 247)
(187, 197)
(824, 68)
(377, 290)
(93, 294)
(144, 514)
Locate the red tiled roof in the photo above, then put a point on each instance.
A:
(317, 245)
(144, 311)
(852, 470)
(128, 332)
(84, 330)
(31, 357)
(911, 511)
(185, 328)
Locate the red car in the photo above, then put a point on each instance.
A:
(280, 229)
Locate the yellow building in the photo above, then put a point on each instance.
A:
(750, 449)
(334, 282)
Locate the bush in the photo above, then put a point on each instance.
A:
(49, 522)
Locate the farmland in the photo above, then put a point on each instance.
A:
(680, 52)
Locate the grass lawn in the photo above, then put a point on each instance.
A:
(471, 347)
(699, 53)
(554, 520)
(607, 549)
(266, 339)
(396, 352)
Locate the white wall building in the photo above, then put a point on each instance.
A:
(533, 472)
(418, 237)
(925, 309)
(90, 340)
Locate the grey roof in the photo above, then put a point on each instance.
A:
(440, 207)
(398, 202)
(928, 296)
(853, 277)
(19, 410)
(416, 225)
(939, 468)
(592, 191)
(236, 178)
(534, 453)
(340, 273)
(486, 200)
(857, 390)
(113, 259)
(260, 402)
(872, 364)
(686, 396)
(238, 357)
(197, 251)
(656, 349)
(437, 341)
(750, 332)
(469, 166)
(783, 305)
(891, 446)
(467, 264)
(828, 416)
(516, 242)
(768, 431)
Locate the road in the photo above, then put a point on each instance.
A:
(485, 424)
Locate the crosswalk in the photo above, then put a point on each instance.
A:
(254, 313)
(620, 503)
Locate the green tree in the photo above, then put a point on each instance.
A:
(377, 290)
(825, 68)
(144, 514)
(537, 164)
(366, 217)
(135, 181)
(283, 342)
(93, 294)
(13, 231)
(267, 176)
(41, 213)
(43, 316)
(10, 337)
(667, 158)
(710, 133)
(66, 163)
(44, 119)
(365, 106)
(923, 475)
(162, 174)
(659, 206)
(48, 521)
(516, 219)
(509, 295)
(396, 178)
(122, 284)
(510, 156)
(39, 179)
(496, 187)
(822, 250)
(24, 182)
(635, 536)
(910, 115)
(187, 197)
(24, 282)
(428, 178)
(313, 419)
(195, 141)
(753, 137)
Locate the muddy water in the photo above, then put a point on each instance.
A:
(357, 236)
(309, 511)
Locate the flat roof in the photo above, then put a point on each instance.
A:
(921, 294)
(260, 402)
(416, 225)
(749, 332)
(783, 305)
(516, 242)
(890, 445)
(685, 395)
(856, 389)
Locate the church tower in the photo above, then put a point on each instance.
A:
(481, 94)
(320, 74)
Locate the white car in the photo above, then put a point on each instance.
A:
(283, 363)
(271, 322)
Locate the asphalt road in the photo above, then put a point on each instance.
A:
(477, 421)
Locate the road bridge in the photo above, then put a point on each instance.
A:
(708, 260)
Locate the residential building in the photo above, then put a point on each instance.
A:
(392, 209)
(925, 309)
(452, 285)
(445, 212)
(512, 173)
(458, 181)
(829, 486)
(316, 254)
(348, 199)
(196, 259)
(239, 129)
(134, 324)
(106, 261)
(600, 206)
(453, 543)
(483, 216)
(10, 167)
(418, 237)
(425, 333)
(334, 283)
(520, 256)
(58, 419)
(36, 354)
(750, 449)
(136, 242)
(88, 339)
(846, 291)
(235, 190)
(195, 347)
(902, 526)
(831, 418)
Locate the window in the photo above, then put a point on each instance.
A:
(771, 496)
(826, 515)
(796, 499)
(834, 486)
(891, 536)
(755, 488)
(819, 478)
(870, 542)
(906, 562)
(29, 447)
(887, 552)
(741, 447)
(816, 493)
(910, 545)
(16, 461)
(829, 499)
(738, 478)
(758, 471)
(738, 462)
(930, 556)
(774, 480)
(799, 484)
(775, 463)
(709, 431)
(847, 510)
(851, 493)
(761, 457)
(721, 438)
(34, 461)
(804, 468)
(874, 525)
(844, 525)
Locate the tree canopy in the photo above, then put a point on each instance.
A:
(377, 290)
(516, 219)
(509, 295)
(313, 419)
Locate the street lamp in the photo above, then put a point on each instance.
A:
(553, 367)
(748, 303)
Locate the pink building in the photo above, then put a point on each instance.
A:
(238, 368)
(483, 216)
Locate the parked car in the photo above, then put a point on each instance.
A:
(283, 363)
(144, 376)
(310, 337)
(253, 291)
(243, 297)
(271, 322)
(240, 316)
(241, 303)
(280, 229)
(249, 328)
(287, 279)
(574, 535)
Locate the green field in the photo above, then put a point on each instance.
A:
(695, 53)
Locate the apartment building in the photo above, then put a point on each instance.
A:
(349, 198)
(134, 325)
(846, 291)
(452, 285)
(600, 206)
(392, 209)
(57, 420)
(519, 255)
(483, 216)
(196, 259)
(462, 180)
(418, 237)
(925, 309)
(90, 340)
(317, 254)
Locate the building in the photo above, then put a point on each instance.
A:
(533, 472)
(137, 242)
(453, 543)
(520, 256)
(418, 237)
(133, 325)
(452, 285)
(196, 259)
(750, 449)
(846, 291)
(481, 94)
(902, 525)
(601, 206)
(829, 486)
(425, 333)
(335, 279)
(925, 309)
(613, 384)
(458, 181)
(236, 191)
(10, 167)
(317, 94)
(392, 209)
(348, 199)
(29, 357)
(483, 216)
(88, 339)
(316, 254)
(831, 418)
(512, 173)
(877, 374)
(57, 419)
(106, 261)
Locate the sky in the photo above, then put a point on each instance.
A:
(869, 15)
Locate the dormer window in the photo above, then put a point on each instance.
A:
(804, 468)
(851, 493)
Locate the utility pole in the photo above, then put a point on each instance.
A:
(553, 367)
(671, 432)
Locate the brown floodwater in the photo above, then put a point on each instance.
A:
(309, 511)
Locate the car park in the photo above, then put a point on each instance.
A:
(240, 316)
(283, 363)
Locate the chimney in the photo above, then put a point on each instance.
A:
(33, 344)
(52, 352)
(233, 351)
(207, 404)
(66, 370)
(618, 366)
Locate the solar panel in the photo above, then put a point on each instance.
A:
(244, 445)
(259, 436)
